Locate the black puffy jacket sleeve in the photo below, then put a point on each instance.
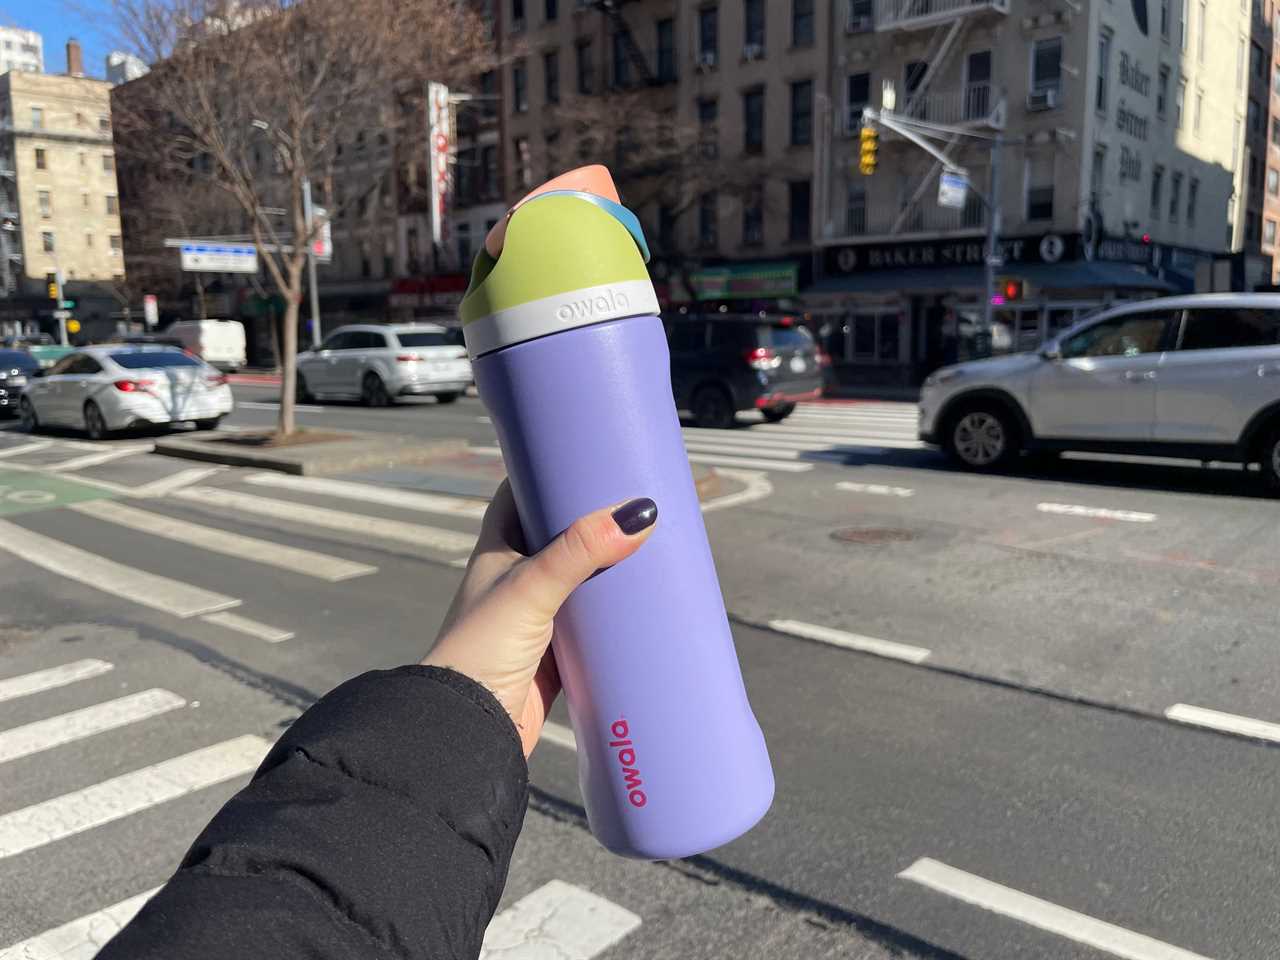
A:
(380, 825)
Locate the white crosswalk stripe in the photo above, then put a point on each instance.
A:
(78, 724)
(51, 678)
(82, 938)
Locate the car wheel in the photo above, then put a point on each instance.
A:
(301, 393)
(209, 424)
(30, 419)
(713, 408)
(982, 437)
(446, 397)
(95, 424)
(373, 392)
(779, 413)
(1271, 462)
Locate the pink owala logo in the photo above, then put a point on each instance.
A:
(627, 759)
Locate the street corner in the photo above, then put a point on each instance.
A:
(23, 492)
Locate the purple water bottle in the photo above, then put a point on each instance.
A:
(571, 360)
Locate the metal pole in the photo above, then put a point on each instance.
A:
(993, 258)
(311, 264)
(62, 314)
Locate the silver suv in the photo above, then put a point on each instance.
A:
(1195, 376)
(379, 362)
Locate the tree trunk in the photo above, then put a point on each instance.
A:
(289, 351)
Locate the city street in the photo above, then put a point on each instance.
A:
(1030, 715)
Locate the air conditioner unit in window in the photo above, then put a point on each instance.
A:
(753, 51)
(859, 24)
(707, 60)
(1042, 99)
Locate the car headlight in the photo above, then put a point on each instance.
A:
(942, 376)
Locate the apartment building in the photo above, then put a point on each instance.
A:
(1267, 36)
(21, 50)
(58, 194)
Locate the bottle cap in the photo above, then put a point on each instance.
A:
(565, 261)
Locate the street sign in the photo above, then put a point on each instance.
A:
(953, 188)
(323, 247)
(66, 304)
(73, 325)
(219, 258)
(62, 314)
(150, 311)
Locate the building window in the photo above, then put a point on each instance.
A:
(37, 118)
(802, 23)
(1164, 19)
(46, 204)
(523, 163)
(46, 241)
(855, 210)
(666, 50)
(104, 124)
(586, 70)
(1175, 196)
(84, 199)
(753, 217)
(977, 85)
(108, 163)
(1157, 189)
(708, 223)
(1195, 115)
(1255, 173)
(799, 198)
(1200, 31)
(517, 15)
(1275, 79)
(552, 149)
(708, 132)
(1104, 70)
(1257, 65)
(84, 158)
(1250, 226)
(1040, 203)
(551, 76)
(88, 239)
(1275, 131)
(519, 87)
(621, 61)
(708, 39)
(490, 188)
(1269, 232)
(113, 205)
(861, 16)
(1099, 171)
(857, 96)
(753, 120)
(1162, 92)
(1240, 64)
(550, 12)
(1255, 117)
(1182, 24)
(489, 90)
(753, 35)
(1273, 181)
(802, 113)
(1046, 65)
(1193, 194)
(42, 159)
(1180, 99)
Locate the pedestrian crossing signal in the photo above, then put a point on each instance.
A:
(869, 150)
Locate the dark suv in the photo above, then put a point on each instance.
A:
(724, 364)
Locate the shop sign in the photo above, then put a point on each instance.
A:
(745, 281)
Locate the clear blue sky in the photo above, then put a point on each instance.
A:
(89, 21)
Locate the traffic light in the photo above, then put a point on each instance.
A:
(868, 150)
(53, 290)
(1011, 289)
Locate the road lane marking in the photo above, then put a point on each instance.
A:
(28, 683)
(97, 459)
(878, 489)
(82, 938)
(372, 493)
(1226, 722)
(852, 641)
(148, 589)
(557, 920)
(1098, 513)
(300, 407)
(788, 438)
(26, 448)
(78, 724)
(484, 451)
(306, 562)
(252, 628)
(358, 523)
(558, 734)
(784, 466)
(757, 488)
(183, 478)
(114, 799)
(1042, 914)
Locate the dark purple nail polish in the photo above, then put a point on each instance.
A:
(636, 515)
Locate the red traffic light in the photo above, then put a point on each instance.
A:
(1012, 290)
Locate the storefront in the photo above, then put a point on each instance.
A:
(728, 287)
(888, 314)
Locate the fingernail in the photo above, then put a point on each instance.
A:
(636, 515)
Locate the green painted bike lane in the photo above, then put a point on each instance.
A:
(23, 492)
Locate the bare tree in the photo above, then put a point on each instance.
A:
(256, 97)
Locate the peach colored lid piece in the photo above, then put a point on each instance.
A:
(590, 179)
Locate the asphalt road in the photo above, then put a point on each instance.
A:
(964, 689)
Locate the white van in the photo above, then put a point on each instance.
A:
(219, 342)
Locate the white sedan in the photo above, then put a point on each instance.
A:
(107, 388)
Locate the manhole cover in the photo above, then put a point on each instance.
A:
(873, 535)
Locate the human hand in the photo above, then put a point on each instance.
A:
(501, 621)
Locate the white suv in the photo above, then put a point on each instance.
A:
(379, 362)
(1195, 376)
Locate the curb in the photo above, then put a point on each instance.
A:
(357, 451)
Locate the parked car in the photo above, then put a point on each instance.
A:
(217, 342)
(1195, 376)
(723, 364)
(377, 363)
(107, 388)
(16, 368)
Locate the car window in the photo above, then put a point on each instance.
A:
(337, 341)
(688, 337)
(424, 338)
(732, 334)
(370, 340)
(1222, 327)
(64, 365)
(150, 359)
(784, 337)
(85, 364)
(1125, 336)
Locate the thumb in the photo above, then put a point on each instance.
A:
(591, 543)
